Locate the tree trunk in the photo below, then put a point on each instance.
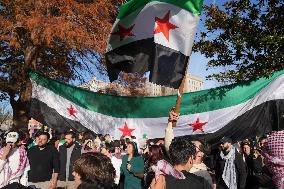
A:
(22, 104)
(20, 113)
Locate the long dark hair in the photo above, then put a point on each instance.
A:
(135, 148)
(155, 154)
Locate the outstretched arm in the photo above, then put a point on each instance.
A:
(169, 135)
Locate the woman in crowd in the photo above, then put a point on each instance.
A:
(199, 168)
(155, 154)
(132, 167)
(94, 171)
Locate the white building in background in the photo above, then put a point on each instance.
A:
(94, 85)
(192, 83)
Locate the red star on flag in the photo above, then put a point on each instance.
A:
(72, 111)
(126, 131)
(124, 32)
(197, 125)
(164, 25)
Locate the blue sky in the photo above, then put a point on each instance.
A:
(197, 64)
(197, 67)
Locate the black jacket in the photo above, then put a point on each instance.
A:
(76, 153)
(192, 181)
(15, 185)
(241, 171)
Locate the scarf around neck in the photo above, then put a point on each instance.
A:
(23, 163)
(165, 168)
(229, 173)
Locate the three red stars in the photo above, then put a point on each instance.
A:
(197, 125)
(124, 32)
(164, 25)
(72, 111)
(126, 131)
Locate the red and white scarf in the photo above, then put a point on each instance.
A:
(165, 168)
(23, 163)
(273, 151)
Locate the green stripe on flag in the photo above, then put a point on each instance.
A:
(151, 107)
(193, 6)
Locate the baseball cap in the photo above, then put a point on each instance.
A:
(226, 139)
(12, 137)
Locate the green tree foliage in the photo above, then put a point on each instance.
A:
(244, 37)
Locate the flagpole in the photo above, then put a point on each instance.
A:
(180, 91)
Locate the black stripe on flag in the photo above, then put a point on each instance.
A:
(51, 118)
(166, 66)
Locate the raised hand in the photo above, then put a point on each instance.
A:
(6, 151)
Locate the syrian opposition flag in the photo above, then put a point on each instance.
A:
(238, 111)
(155, 36)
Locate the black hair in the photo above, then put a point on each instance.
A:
(39, 133)
(102, 138)
(94, 168)
(262, 138)
(72, 133)
(123, 144)
(88, 135)
(95, 184)
(23, 134)
(205, 147)
(135, 148)
(166, 156)
(181, 150)
(109, 147)
(116, 143)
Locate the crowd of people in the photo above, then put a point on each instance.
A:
(49, 160)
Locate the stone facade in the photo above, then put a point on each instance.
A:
(192, 83)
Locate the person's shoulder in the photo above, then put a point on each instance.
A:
(15, 185)
(124, 157)
(78, 146)
(32, 149)
(238, 156)
(22, 150)
(201, 182)
(191, 180)
(61, 147)
(139, 157)
(51, 148)
(191, 176)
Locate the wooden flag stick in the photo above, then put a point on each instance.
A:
(180, 91)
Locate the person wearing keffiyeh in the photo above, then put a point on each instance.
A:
(181, 153)
(14, 164)
(230, 167)
(273, 151)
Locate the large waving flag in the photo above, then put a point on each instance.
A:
(238, 111)
(155, 36)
